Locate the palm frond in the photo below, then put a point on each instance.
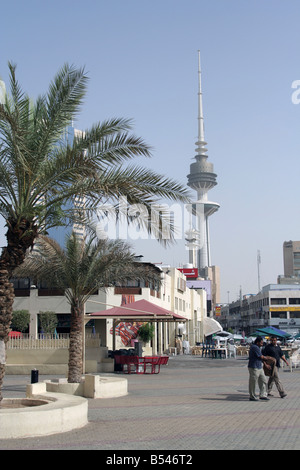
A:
(40, 175)
(83, 265)
(109, 143)
(61, 104)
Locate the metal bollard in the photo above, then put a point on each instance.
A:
(34, 376)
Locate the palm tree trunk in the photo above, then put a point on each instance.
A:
(75, 368)
(6, 304)
(20, 236)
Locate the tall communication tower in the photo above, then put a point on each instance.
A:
(201, 178)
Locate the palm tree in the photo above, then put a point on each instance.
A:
(83, 266)
(39, 178)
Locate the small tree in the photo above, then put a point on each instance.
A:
(48, 322)
(81, 267)
(146, 332)
(20, 320)
(39, 179)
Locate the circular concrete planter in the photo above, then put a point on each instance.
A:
(92, 386)
(14, 403)
(48, 414)
(55, 406)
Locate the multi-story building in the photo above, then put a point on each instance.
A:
(59, 233)
(276, 305)
(210, 283)
(291, 259)
(173, 295)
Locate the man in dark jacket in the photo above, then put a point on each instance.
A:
(274, 350)
(256, 372)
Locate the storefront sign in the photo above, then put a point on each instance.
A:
(218, 311)
(287, 308)
(189, 272)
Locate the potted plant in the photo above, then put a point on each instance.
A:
(146, 332)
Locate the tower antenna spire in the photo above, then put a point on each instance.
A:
(200, 105)
(200, 149)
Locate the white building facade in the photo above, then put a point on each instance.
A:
(173, 295)
(277, 305)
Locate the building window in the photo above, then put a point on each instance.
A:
(278, 314)
(181, 284)
(296, 260)
(294, 314)
(21, 283)
(279, 301)
(295, 301)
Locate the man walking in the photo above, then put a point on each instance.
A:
(274, 350)
(256, 372)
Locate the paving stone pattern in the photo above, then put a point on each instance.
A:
(193, 404)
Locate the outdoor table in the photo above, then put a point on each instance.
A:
(222, 352)
(141, 365)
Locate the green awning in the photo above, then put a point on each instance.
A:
(270, 330)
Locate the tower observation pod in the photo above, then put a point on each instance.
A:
(201, 178)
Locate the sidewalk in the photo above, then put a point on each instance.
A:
(193, 404)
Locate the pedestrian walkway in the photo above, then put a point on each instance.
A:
(193, 404)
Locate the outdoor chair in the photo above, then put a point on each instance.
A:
(294, 360)
(231, 348)
(152, 364)
(206, 350)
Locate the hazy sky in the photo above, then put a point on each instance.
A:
(141, 57)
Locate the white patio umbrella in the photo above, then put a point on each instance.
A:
(211, 326)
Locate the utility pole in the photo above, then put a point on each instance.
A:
(258, 268)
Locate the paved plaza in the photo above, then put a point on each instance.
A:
(193, 404)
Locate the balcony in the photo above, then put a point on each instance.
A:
(128, 290)
(50, 292)
(22, 292)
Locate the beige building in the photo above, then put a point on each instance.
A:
(291, 259)
(173, 295)
(276, 305)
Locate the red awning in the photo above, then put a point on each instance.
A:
(140, 310)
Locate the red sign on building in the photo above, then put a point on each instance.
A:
(189, 272)
(218, 310)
